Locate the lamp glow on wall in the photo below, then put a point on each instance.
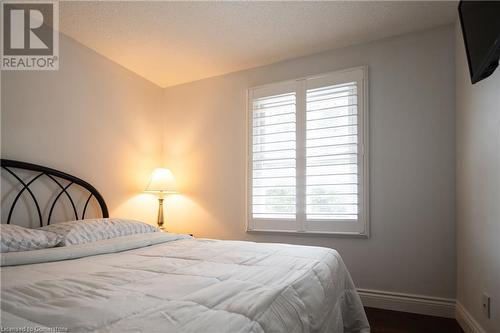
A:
(162, 182)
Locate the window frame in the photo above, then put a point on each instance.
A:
(300, 225)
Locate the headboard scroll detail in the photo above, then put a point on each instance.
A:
(10, 166)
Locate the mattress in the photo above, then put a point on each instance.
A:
(163, 282)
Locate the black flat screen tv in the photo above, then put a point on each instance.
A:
(480, 21)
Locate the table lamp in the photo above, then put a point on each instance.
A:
(162, 182)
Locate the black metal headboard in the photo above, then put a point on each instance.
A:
(55, 176)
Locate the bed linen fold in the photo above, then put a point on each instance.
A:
(79, 251)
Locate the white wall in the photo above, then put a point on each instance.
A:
(478, 190)
(93, 119)
(412, 132)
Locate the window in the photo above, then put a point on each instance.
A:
(308, 159)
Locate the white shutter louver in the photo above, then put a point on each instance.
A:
(274, 157)
(331, 152)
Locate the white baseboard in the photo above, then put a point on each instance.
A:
(426, 305)
(466, 321)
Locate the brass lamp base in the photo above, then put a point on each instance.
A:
(160, 213)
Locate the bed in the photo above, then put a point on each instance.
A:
(164, 282)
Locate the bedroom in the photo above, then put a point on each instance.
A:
(413, 210)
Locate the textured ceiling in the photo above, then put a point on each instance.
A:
(171, 43)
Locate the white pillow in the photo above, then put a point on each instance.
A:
(91, 230)
(15, 238)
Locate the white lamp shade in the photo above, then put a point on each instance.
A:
(162, 180)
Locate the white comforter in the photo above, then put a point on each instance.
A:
(167, 283)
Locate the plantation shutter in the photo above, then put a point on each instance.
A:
(273, 126)
(307, 159)
(332, 152)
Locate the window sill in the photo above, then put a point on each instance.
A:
(310, 233)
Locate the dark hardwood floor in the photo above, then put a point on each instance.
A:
(385, 321)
